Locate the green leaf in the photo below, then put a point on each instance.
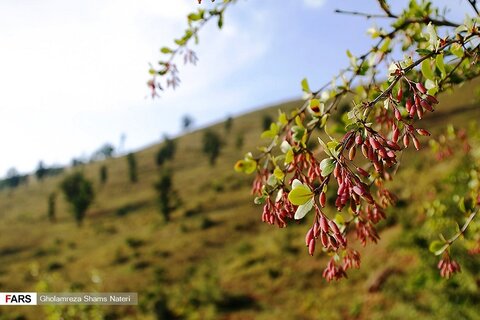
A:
(180, 42)
(440, 64)
(353, 59)
(457, 50)
(385, 46)
(298, 121)
(259, 200)
(303, 209)
(327, 165)
(334, 147)
(324, 146)
(279, 173)
(289, 156)
(282, 118)
(352, 126)
(272, 180)
(247, 166)
(432, 36)
(194, 17)
(424, 52)
(300, 194)
(324, 120)
(427, 70)
(305, 86)
(298, 133)
(220, 21)
(272, 132)
(437, 247)
(461, 205)
(166, 50)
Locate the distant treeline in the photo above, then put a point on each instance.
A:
(15, 179)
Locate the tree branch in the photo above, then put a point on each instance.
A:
(383, 4)
(473, 3)
(363, 14)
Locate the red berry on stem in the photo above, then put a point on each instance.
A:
(322, 199)
(416, 143)
(400, 94)
(423, 132)
(311, 247)
(421, 88)
(351, 153)
(406, 140)
(358, 139)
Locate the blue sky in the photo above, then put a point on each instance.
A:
(73, 73)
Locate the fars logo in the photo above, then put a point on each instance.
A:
(18, 298)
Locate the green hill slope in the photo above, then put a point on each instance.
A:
(215, 259)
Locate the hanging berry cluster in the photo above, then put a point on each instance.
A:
(295, 176)
(293, 180)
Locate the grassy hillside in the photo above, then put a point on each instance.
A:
(215, 259)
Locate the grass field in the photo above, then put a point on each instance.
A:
(215, 259)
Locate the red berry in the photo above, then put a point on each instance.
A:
(311, 247)
(398, 116)
(395, 135)
(358, 190)
(400, 94)
(358, 139)
(324, 224)
(363, 172)
(416, 143)
(322, 199)
(408, 105)
(309, 236)
(351, 153)
(406, 140)
(423, 132)
(426, 105)
(432, 99)
(421, 88)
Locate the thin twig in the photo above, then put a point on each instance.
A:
(383, 4)
(363, 14)
(462, 230)
(473, 3)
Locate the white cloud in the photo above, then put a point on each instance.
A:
(314, 3)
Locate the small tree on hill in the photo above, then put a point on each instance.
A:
(166, 196)
(51, 207)
(132, 168)
(211, 146)
(266, 121)
(166, 152)
(13, 178)
(104, 152)
(103, 174)
(79, 194)
(41, 171)
(228, 124)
